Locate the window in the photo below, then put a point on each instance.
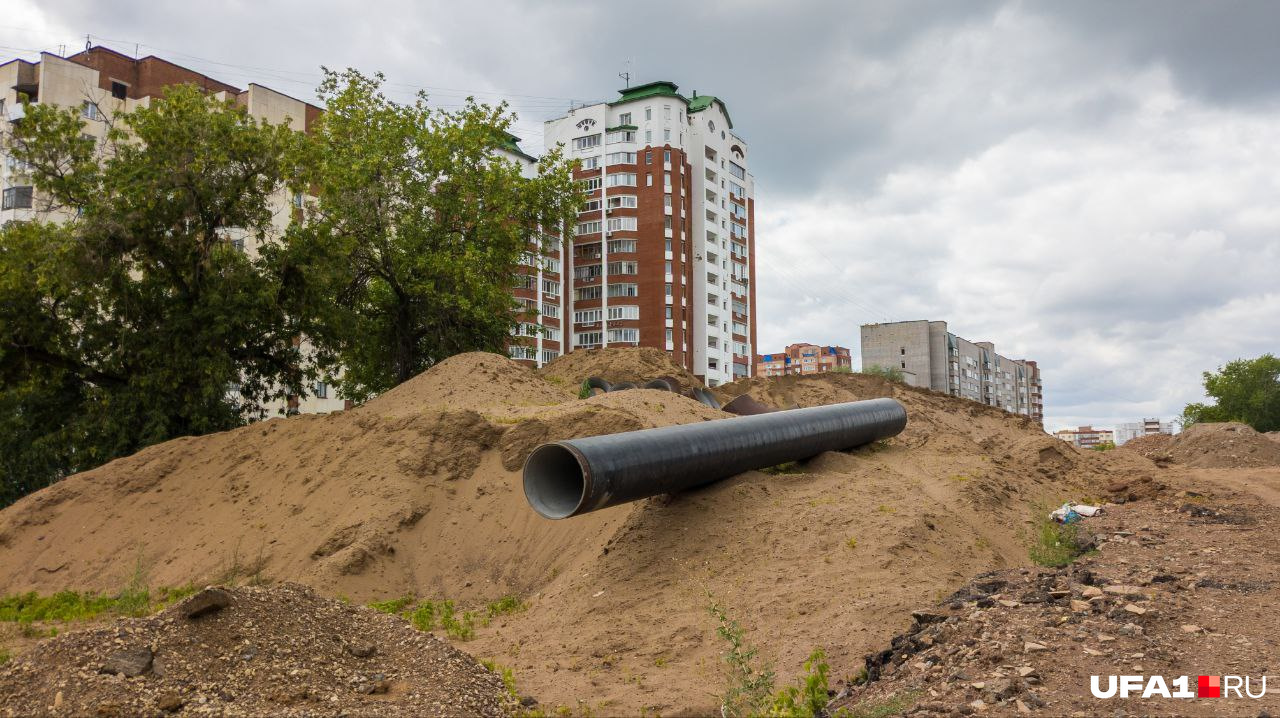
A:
(16, 198)
(625, 336)
(238, 245)
(591, 185)
(648, 156)
(624, 118)
(586, 143)
(588, 227)
(620, 158)
(591, 205)
(624, 290)
(550, 287)
(551, 334)
(587, 293)
(521, 352)
(622, 179)
(590, 163)
(321, 388)
(119, 90)
(666, 135)
(740, 328)
(549, 355)
(668, 289)
(587, 271)
(625, 224)
(666, 111)
(621, 246)
(713, 342)
(737, 170)
(648, 180)
(587, 251)
(625, 311)
(669, 311)
(669, 332)
(588, 339)
(668, 266)
(550, 310)
(648, 137)
(523, 281)
(648, 113)
(525, 329)
(666, 156)
(588, 316)
(627, 201)
(737, 190)
(666, 181)
(550, 264)
(90, 111)
(624, 267)
(621, 136)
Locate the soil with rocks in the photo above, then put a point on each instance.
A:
(419, 493)
(278, 650)
(1184, 584)
(1152, 446)
(1225, 445)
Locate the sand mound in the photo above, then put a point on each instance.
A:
(633, 364)
(1152, 446)
(1222, 446)
(418, 492)
(475, 380)
(1273, 435)
(280, 650)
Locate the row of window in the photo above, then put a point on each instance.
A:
(621, 201)
(615, 224)
(618, 336)
(624, 289)
(591, 316)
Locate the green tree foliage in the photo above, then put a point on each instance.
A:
(1245, 390)
(892, 373)
(423, 222)
(125, 321)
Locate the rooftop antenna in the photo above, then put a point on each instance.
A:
(88, 43)
(626, 73)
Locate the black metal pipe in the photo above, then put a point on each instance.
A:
(575, 476)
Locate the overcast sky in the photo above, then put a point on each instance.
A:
(1092, 185)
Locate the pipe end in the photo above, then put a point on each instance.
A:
(555, 481)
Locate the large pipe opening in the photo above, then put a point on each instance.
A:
(554, 481)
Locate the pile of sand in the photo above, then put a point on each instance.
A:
(1152, 446)
(419, 492)
(281, 650)
(634, 364)
(1225, 445)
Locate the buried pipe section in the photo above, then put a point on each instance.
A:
(576, 476)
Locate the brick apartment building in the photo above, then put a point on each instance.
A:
(1086, 437)
(803, 359)
(934, 358)
(663, 253)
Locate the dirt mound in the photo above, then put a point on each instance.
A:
(1152, 446)
(280, 650)
(419, 492)
(633, 364)
(475, 380)
(1273, 435)
(1223, 445)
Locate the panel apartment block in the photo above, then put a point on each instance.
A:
(663, 252)
(944, 362)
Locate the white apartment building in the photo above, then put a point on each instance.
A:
(1134, 429)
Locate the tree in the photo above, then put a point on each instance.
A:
(1245, 390)
(423, 224)
(134, 319)
(892, 373)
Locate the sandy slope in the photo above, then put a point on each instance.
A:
(419, 492)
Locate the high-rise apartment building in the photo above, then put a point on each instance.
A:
(803, 359)
(663, 252)
(944, 362)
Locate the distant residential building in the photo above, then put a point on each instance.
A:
(1132, 430)
(803, 359)
(934, 358)
(1086, 437)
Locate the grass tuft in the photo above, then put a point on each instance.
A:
(1055, 545)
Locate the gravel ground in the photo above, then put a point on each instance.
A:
(277, 650)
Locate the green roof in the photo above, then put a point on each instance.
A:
(511, 143)
(621, 127)
(661, 88)
(698, 103)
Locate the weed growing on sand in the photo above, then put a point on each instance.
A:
(394, 606)
(749, 686)
(1053, 544)
(504, 606)
(892, 706)
(463, 629)
(65, 606)
(584, 391)
(508, 680)
(789, 467)
(809, 698)
(851, 543)
(426, 614)
(4, 656)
